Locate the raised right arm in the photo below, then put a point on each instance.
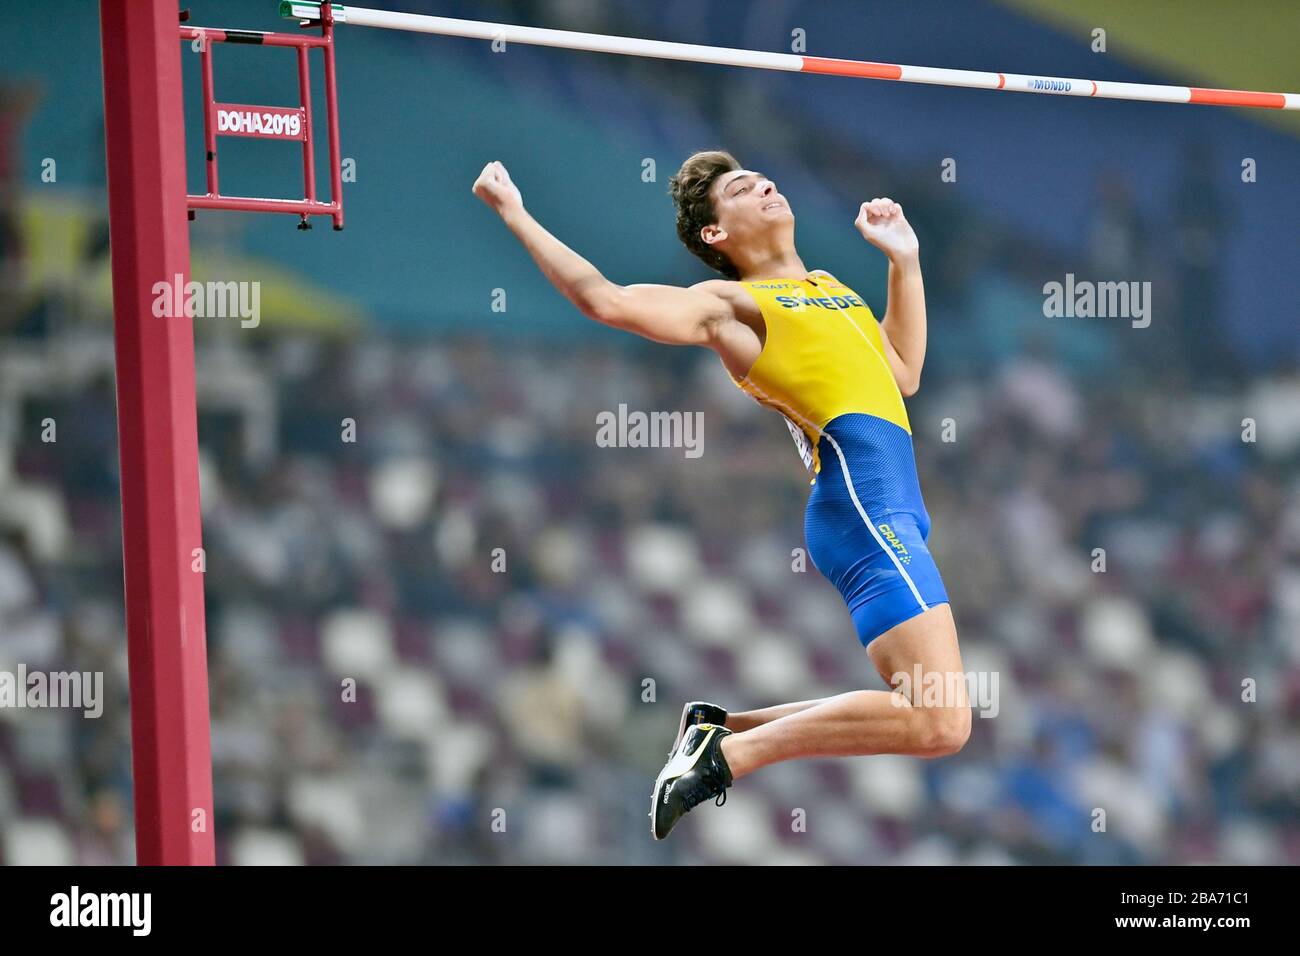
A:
(663, 313)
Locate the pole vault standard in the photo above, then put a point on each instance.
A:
(144, 131)
(789, 62)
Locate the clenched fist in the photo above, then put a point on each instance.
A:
(882, 224)
(495, 188)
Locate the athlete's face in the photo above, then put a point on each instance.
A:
(748, 206)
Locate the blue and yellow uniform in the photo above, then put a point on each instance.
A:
(823, 367)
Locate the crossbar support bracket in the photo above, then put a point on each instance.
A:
(272, 122)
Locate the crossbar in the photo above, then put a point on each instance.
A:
(789, 62)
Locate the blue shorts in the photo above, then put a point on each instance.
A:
(866, 526)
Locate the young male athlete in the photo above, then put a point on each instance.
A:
(801, 342)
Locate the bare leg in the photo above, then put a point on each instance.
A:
(749, 719)
(871, 721)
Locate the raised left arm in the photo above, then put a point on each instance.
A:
(881, 222)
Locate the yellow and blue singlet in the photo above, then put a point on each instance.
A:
(823, 367)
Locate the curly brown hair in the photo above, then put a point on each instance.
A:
(690, 188)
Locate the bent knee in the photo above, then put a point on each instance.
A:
(945, 731)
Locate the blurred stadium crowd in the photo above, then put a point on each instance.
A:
(515, 679)
(522, 613)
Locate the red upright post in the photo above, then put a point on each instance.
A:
(157, 434)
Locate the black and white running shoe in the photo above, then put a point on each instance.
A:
(696, 772)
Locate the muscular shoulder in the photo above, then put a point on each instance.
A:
(741, 305)
(738, 336)
(722, 288)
